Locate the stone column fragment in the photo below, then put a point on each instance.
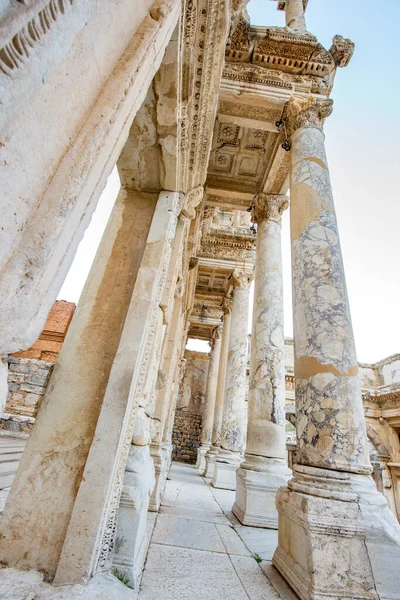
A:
(233, 419)
(294, 15)
(265, 469)
(211, 389)
(219, 401)
(331, 504)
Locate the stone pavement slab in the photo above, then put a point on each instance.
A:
(200, 551)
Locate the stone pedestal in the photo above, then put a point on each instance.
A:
(226, 465)
(256, 489)
(336, 531)
(201, 457)
(131, 540)
(233, 420)
(265, 468)
(336, 534)
(210, 462)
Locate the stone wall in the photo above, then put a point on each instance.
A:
(186, 436)
(29, 370)
(190, 406)
(27, 382)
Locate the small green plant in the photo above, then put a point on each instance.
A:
(257, 558)
(168, 478)
(120, 575)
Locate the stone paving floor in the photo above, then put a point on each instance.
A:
(200, 551)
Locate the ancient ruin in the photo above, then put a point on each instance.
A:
(216, 127)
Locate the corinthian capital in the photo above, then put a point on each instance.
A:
(307, 112)
(227, 305)
(241, 280)
(269, 207)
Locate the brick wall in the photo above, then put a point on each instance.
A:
(186, 436)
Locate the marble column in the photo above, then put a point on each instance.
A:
(211, 390)
(294, 15)
(264, 469)
(233, 419)
(219, 400)
(335, 528)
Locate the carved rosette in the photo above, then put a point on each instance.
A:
(269, 207)
(308, 112)
(241, 280)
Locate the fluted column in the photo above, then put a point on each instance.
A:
(233, 419)
(331, 503)
(208, 415)
(265, 468)
(219, 400)
(294, 15)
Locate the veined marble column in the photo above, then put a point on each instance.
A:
(294, 15)
(208, 416)
(233, 419)
(265, 470)
(219, 400)
(335, 528)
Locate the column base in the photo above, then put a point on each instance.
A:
(257, 482)
(131, 540)
(210, 462)
(159, 455)
(201, 457)
(337, 537)
(226, 465)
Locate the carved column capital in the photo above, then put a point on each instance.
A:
(217, 332)
(241, 280)
(190, 201)
(310, 112)
(268, 207)
(227, 306)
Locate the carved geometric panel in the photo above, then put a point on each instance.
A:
(248, 165)
(228, 134)
(238, 157)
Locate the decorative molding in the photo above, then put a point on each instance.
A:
(23, 37)
(204, 32)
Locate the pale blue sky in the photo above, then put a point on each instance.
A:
(361, 140)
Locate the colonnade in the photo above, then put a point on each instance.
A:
(331, 484)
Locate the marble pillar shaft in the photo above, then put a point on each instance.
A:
(266, 399)
(294, 15)
(330, 419)
(220, 392)
(51, 467)
(233, 419)
(212, 381)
